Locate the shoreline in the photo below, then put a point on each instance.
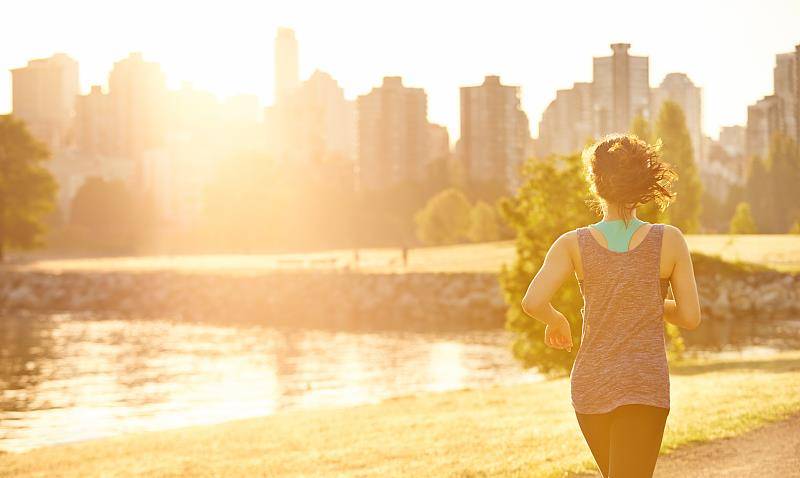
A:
(517, 430)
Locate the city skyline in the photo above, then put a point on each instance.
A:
(241, 61)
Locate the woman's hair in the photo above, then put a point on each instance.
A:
(624, 170)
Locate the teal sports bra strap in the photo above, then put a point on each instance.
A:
(617, 235)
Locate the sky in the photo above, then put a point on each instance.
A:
(727, 48)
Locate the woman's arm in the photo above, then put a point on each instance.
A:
(684, 310)
(556, 268)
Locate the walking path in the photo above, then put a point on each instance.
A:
(772, 450)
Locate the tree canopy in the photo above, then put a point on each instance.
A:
(27, 189)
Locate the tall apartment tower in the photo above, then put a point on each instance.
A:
(797, 91)
(494, 133)
(139, 105)
(43, 95)
(785, 80)
(393, 132)
(620, 90)
(732, 139)
(567, 122)
(313, 122)
(678, 88)
(778, 112)
(287, 74)
(94, 122)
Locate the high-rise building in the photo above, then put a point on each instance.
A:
(139, 102)
(785, 81)
(797, 91)
(733, 139)
(733, 143)
(777, 113)
(720, 172)
(495, 134)
(439, 142)
(43, 95)
(764, 119)
(620, 90)
(393, 132)
(286, 63)
(93, 122)
(312, 122)
(566, 124)
(678, 88)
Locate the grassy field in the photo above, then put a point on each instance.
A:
(519, 431)
(777, 251)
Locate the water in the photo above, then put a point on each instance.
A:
(73, 377)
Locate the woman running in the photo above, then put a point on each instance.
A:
(624, 267)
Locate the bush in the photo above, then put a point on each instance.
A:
(484, 223)
(550, 201)
(742, 221)
(445, 219)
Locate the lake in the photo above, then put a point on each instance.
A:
(73, 377)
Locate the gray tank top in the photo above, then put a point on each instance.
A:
(622, 358)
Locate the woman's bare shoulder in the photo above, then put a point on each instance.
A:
(569, 242)
(674, 238)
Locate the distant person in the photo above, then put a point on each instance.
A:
(405, 256)
(624, 266)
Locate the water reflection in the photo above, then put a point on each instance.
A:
(72, 377)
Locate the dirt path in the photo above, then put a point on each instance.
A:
(772, 450)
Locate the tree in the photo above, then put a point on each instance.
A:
(684, 213)
(550, 201)
(759, 195)
(106, 216)
(27, 189)
(742, 221)
(647, 212)
(483, 223)
(641, 128)
(101, 204)
(444, 219)
(783, 171)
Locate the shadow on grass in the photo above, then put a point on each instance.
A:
(776, 365)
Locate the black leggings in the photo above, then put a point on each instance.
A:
(625, 441)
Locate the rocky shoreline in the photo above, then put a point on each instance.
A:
(730, 297)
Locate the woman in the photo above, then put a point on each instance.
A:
(624, 266)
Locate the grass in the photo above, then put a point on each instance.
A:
(779, 251)
(517, 431)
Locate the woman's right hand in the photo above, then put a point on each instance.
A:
(558, 333)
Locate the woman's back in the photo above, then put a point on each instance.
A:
(622, 357)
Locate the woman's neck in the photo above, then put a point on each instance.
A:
(610, 214)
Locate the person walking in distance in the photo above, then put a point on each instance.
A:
(619, 382)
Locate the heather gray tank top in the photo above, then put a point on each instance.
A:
(622, 358)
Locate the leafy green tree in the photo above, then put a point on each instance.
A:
(760, 196)
(684, 213)
(783, 165)
(550, 201)
(27, 189)
(642, 129)
(484, 223)
(742, 221)
(647, 212)
(101, 204)
(445, 219)
(106, 216)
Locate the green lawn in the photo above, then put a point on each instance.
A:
(518, 431)
(780, 251)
